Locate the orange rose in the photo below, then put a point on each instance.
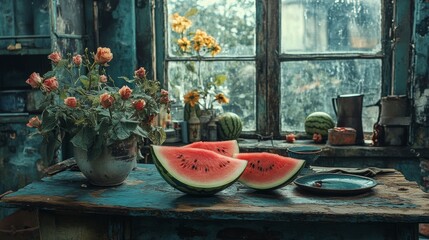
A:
(103, 78)
(139, 105)
(140, 73)
(50, 84)
(34, 122)
(77, 60)
(125, 92)
(70, 102)
(55, 57)
(106, 100)
(103, 55)
(34, 80)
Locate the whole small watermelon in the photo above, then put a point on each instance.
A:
(229, 126)
(318, 122)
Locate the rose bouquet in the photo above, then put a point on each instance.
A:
(82, 101)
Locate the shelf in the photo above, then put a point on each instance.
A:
(27, 51)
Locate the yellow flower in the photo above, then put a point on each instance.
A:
(180, 24)
(192, 98)
(209, 41)
(199, 39)
(221, 98)
(184, 44)
(215, 50)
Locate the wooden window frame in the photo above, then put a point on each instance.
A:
(395, 56)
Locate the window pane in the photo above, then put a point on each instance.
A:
(239, 86)
(330, 26)
(309, 86)
(231, 23)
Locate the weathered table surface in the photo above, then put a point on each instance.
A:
(145, 195)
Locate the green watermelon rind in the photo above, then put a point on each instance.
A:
(230, 126)
(318, 122)
(186, 188)
(271, 187)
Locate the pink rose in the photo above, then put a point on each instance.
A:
(34, 122)
(140, 73)
(139, 105)
(103, 78)
(164, 99)
(77, 59)
(125, 92)
(50, 84)
(55, 57)
(70, 102)
(34, 80)
(164, 92)
(103, 55)
(106, 100)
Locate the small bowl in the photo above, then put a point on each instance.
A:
(307, 153)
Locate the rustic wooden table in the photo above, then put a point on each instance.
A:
(146, 207)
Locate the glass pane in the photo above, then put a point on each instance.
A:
(70, 17)
(231, 23)
(239, 87)
(309, 86)
(330, 26)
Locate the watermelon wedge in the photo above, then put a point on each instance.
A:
(226, 148)
(269, 171)
(196, 171)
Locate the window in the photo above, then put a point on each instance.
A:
(232, 24)
(329, 48)
(286, 59)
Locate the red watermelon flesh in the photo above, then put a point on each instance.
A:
(194, 170)
(268, 171)
(226, 148)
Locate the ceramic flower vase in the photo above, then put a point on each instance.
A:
(111, 167)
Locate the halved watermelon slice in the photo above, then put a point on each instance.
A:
(226, 148)
(269, 171)
(196, 171)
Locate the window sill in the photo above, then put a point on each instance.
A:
(329, 151)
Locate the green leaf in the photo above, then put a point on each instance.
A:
(62, 63)
(84, 138)
(220, 79)
(190, 66)
(127, 79)
(94, 77)
(84, 80)
(49, 74)
(49, 120)
(124, 129)
(63, 95)
(191, 12)
(141, 132)
(157, 136)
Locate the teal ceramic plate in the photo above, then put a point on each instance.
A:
(335, 183)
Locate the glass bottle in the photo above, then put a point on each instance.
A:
(212, 129)
(194, 127)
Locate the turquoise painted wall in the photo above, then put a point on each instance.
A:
(420, 85)
(420, 79)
